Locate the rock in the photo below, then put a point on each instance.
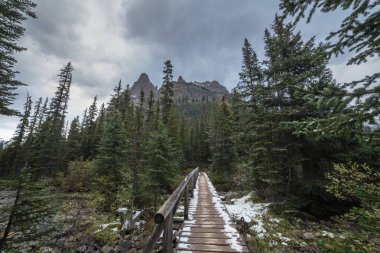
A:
(140, 244)
(124, 246)
(199, 92)
(303, 244)
(145, 85)
(107, 249)
(133, 250)
(81, 249)
(308, 236)
(140, 238)
(181, 80)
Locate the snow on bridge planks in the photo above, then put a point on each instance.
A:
(209, 228)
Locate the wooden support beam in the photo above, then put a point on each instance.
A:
(186, 213)
(168, 235)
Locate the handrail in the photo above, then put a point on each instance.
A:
(164, 216)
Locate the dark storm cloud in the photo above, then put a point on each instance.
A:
(206, 34)
(119, 39)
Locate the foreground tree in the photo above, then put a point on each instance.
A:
(161, 162)
(12, 14)
(33, 205)
(222, 145)
(359, 35)
(112, 174)
(167, 91)
(50, 140)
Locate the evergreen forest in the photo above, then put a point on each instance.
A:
(288, 135)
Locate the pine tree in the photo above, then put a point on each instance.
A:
(136, 151)
(248, 98)
(174, 128)
(19, 154)
(116, 97)
(89, 140)
(50, 147)
(100, 122)
(42, 114)
(150, 112)
(161, 163)
(33, 205)
(222, 145)
(34, 119)
(111, 169)
(73, 140)
(294, 70)
(22, 127)
(167, 91)
(358, 34)
(12, 14)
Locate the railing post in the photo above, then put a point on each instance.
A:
(192, 186)
(186, 214)
(168, 234)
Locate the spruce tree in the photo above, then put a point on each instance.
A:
(150, 112)
(12, 15)
(281, 158)
(32, 207)
(73, 140)
(222, 145)
(113, 175)
(50, 148)
(167, 91)
(89, 140)
(161, 163)
(359, 35)
(34, 121)
(19, 153)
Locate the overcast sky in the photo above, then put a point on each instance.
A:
(119, 39)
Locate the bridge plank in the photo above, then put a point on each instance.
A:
(209, 228)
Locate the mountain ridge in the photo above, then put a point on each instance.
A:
(184, 91)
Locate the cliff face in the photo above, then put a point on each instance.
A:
(143, 84)
(183, 91)
(197, 91)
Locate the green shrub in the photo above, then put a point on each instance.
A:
(79, 176)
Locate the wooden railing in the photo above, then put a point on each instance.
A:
(164, 217)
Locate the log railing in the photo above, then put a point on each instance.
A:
(164, 217)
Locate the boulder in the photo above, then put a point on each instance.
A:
(308, 236)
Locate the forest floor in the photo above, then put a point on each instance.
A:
(268, 231)
(75, 228)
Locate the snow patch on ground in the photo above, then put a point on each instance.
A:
(327, 234)
(243, 208)
(194, 201)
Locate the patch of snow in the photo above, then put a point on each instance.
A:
(184, 239)
(243, 208)
(183, 246)
(276, 220)
(327, 234)
(103, 226)
(186, 233)
(272, 243)
(259, 229)
(194, 201)
(283, 238)
(122, 210)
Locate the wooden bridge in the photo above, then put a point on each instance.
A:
(206, 227)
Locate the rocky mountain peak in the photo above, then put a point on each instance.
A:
(143, 78)
(145, 85)
(183, 91)
(181, 80)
